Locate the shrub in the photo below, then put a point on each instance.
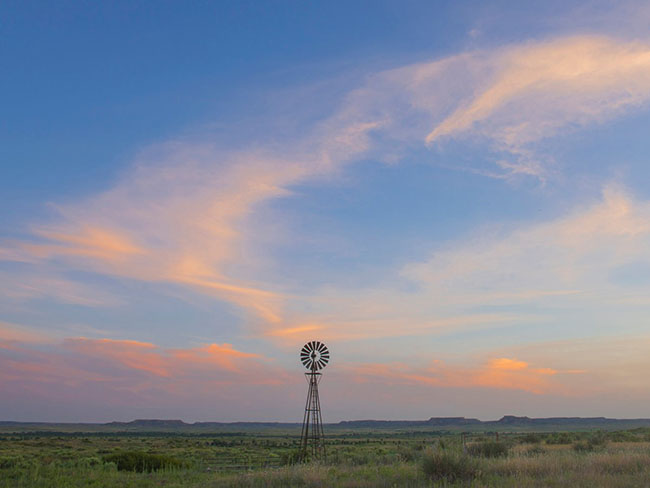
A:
(623, 436)
(560, 438)
(449, 466)
(597, 441)
(8, 462)
(289, 458)
(490, 449)
(582, 446)
(142, 462)
(531, 439)
(408, 455)
(534, 451)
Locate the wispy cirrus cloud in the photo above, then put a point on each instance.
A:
(556, 271)
(185, 213)
(23, 285)
(571, 257)
(534, 91)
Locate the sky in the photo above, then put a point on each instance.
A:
(453, 196)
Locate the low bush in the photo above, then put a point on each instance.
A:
(598, 439)
(289, 458)
(9, 462)
(531, 439)
(596, 442)
(583, 446)
(449, 466)
(490, 449)
(560, 438)
(142, 462)
(534, 451)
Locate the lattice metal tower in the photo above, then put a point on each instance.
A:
(314, 355)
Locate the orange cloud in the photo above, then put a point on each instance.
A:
(132, 354)
(221, 355)
(17, 333)
(514, 374)
(499, 373)
(89, 242)
(295, 331)
(214, 359)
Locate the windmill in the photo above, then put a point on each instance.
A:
(315, 356)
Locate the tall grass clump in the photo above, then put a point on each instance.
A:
(531, 438)
(449, 466)
(596, 442)
(143, 462)
(490, 449)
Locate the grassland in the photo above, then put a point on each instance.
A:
(368, 459)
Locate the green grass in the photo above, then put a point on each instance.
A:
(612, 459)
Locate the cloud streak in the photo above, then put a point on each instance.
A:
(497, 373)
(186, 213)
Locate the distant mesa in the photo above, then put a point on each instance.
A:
(151, 423)
(458, 424)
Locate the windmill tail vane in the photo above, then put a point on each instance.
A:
(314, 356)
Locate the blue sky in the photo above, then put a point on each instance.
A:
(452, 195)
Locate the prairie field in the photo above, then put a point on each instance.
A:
(368, 459)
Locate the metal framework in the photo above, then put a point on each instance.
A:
(314, 355)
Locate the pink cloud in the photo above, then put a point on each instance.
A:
(497, 373)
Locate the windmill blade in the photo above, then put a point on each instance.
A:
(314, 355)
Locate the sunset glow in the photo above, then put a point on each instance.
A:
(459, 209)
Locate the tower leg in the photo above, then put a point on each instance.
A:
(311, 441)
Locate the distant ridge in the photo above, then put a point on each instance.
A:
(460, 424)
(150, 423)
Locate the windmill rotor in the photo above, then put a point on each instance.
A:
(314, 355)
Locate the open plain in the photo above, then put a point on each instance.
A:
(367, 457)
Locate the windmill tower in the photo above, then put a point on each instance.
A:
(314, 355)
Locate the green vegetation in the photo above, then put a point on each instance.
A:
(489, 449)
(368, 459)
(143, 462)
(449, 466)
